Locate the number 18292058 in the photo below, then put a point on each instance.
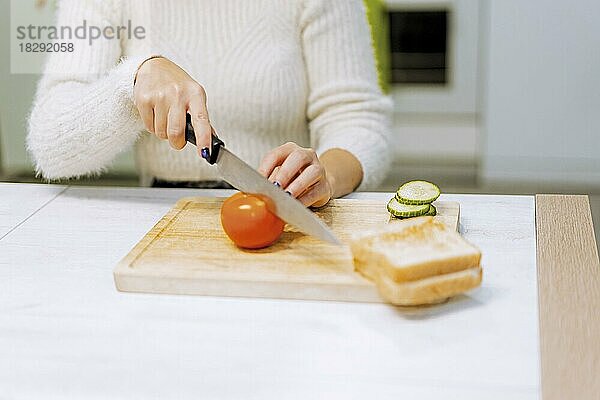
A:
(46, 47)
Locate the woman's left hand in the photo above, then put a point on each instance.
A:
(299, 172)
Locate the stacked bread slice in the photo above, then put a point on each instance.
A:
(417, 261)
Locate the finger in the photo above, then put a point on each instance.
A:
(161, 115)
(200, 121)
(311, 175)
(317, 196)
(275, 158)
(273, 174)
(147, 114)
(176, 127)
(294, 165)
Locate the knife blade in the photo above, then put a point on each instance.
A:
(243, 177)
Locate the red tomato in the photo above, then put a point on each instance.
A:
(248, 221)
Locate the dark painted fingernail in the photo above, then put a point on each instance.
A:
(205, 153)
(277, 184)
(289, 193)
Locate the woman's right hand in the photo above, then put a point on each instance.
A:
(164, 93)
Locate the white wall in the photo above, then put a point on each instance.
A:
(542, 91)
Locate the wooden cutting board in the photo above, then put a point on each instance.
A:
(187, 252)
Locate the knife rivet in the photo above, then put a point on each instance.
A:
(277, 184)
(289, 193)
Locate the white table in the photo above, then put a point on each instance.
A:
(19, 202)
(66, 333)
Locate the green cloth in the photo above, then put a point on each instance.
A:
(378, 21)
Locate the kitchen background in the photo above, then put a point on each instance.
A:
(491, 96)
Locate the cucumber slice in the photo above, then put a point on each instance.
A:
(432, 211)
(400, 210)
(417, 192)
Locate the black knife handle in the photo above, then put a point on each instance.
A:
(215, 145)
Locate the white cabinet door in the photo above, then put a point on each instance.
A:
(542, 97)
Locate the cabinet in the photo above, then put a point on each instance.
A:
(542, 92)
(439, 124)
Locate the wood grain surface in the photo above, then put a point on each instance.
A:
(569, 298)
(187, 252)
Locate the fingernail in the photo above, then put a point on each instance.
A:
(205, 153)
(289, 194)
(277, 184)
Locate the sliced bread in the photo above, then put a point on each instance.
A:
(414, 249)
(432, 290)
(417, 261)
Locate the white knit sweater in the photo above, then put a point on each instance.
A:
(274, 71)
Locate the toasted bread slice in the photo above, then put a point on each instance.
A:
(432, 290)
(413, 249)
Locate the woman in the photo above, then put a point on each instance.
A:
(280, 78)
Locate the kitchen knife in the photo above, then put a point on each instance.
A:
(244, 178)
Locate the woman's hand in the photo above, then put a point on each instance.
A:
(164, 93)
(299, 172)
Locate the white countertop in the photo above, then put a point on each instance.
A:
(66, 333)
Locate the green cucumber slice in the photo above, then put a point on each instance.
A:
(432, 211)
(417, 192)
(400, 210)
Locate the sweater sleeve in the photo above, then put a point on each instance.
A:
(346, 108)
(83, 113)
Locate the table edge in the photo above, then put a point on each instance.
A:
(568, 272)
